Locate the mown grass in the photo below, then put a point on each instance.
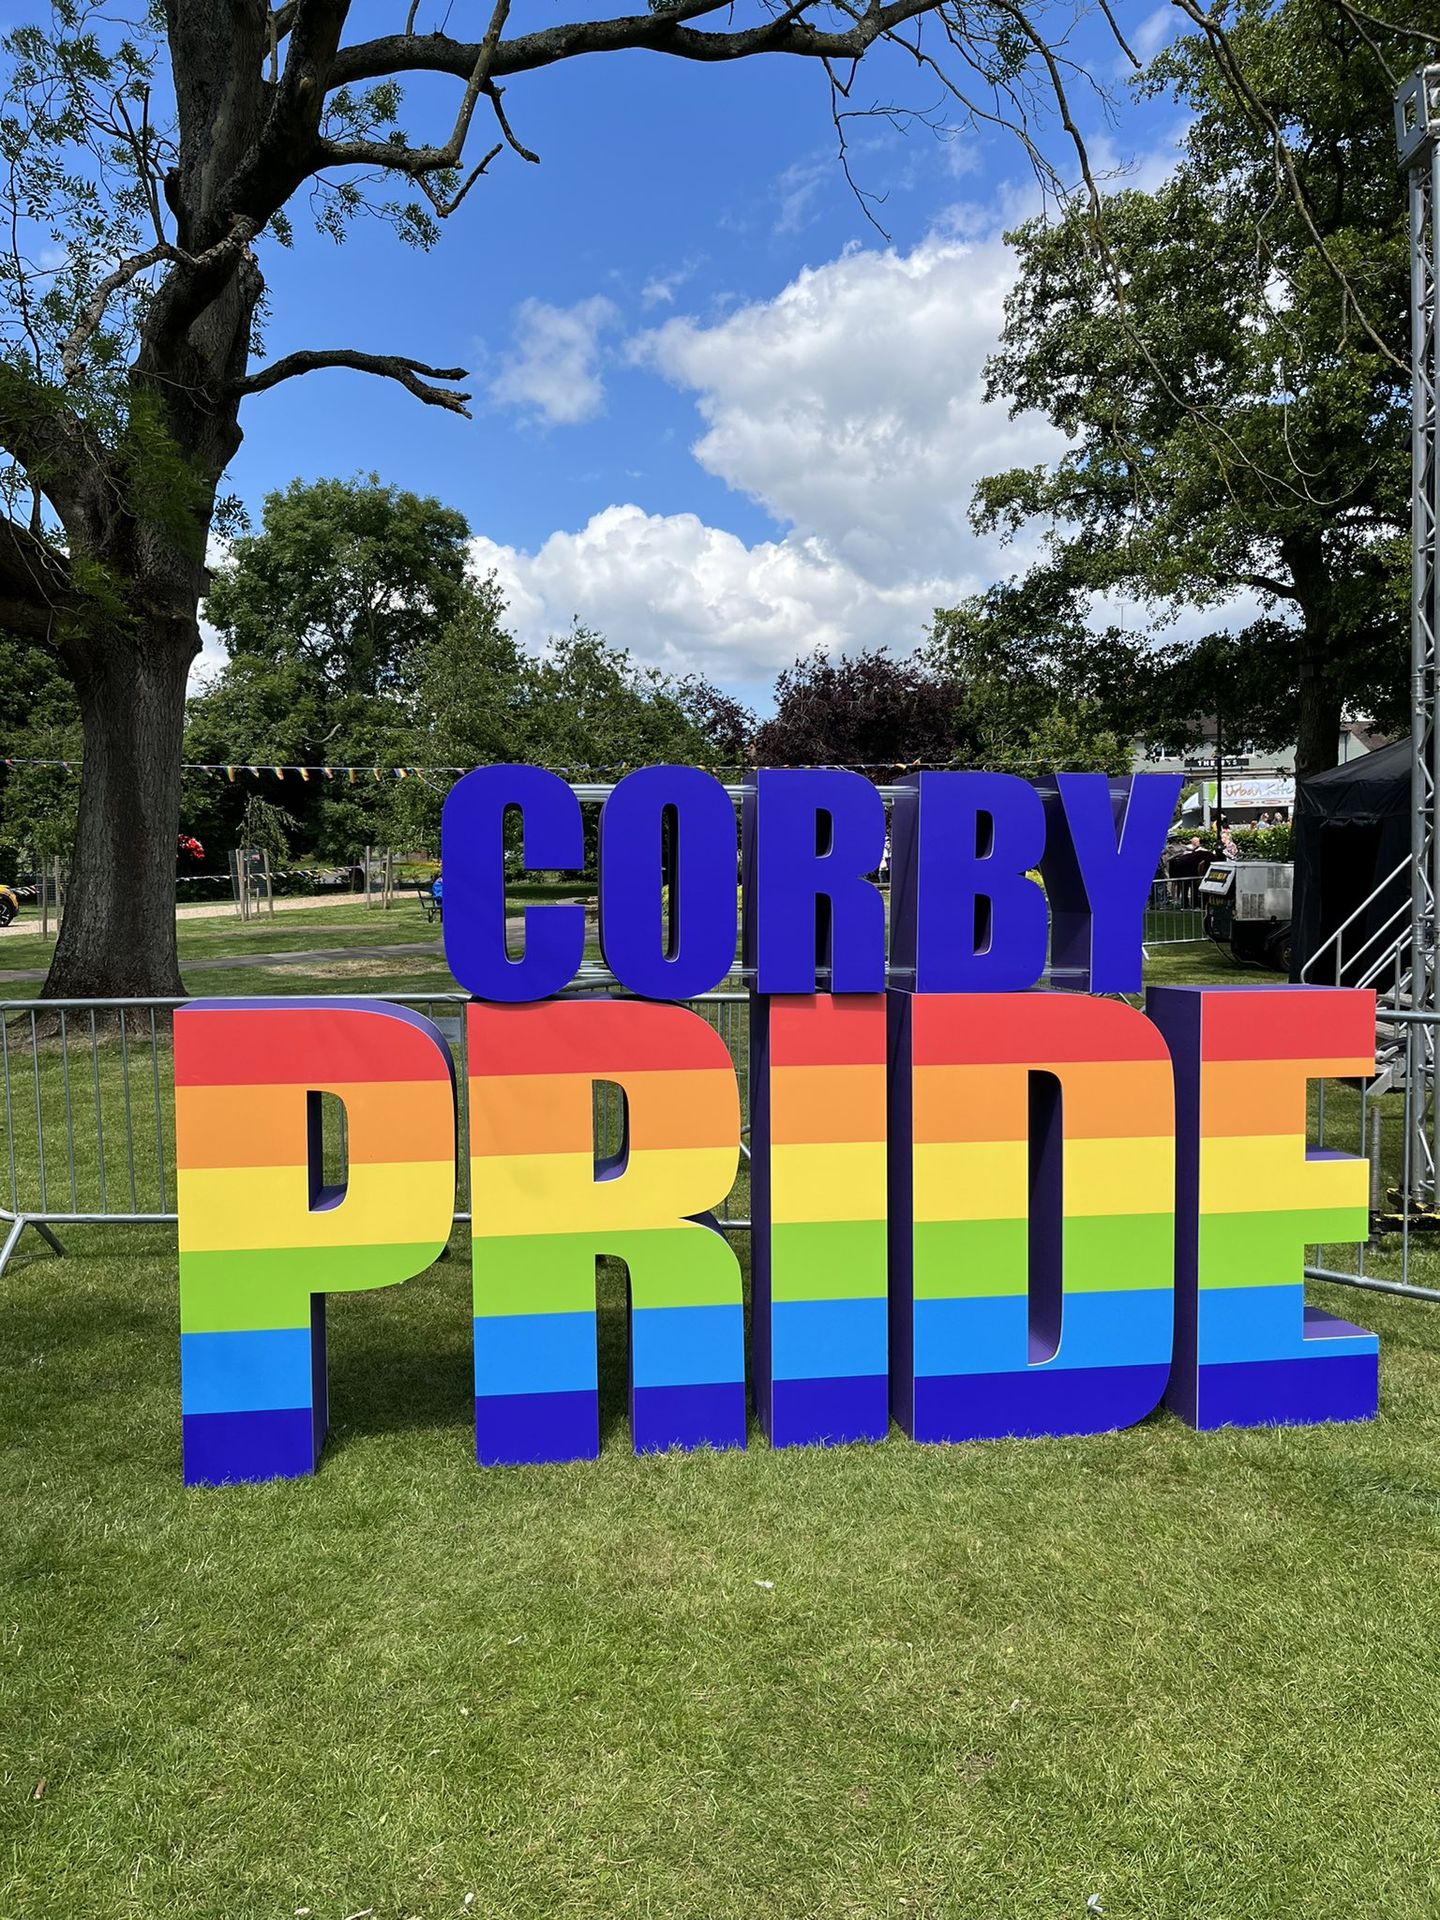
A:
(1190, 1676)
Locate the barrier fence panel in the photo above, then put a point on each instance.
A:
(89, 1110)
(1174, 915)
(89, 1121)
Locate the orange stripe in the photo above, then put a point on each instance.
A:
(1242, 1097)
(811, 1105)
(254, 1126)
(1120, 1100)
(532, 1113)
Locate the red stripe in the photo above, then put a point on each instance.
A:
(1288, 1023)
(244, 1046)
(598, 1037)
(847, 1030)
(999, 1029)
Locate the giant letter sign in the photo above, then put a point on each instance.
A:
(1248, 1351)
(262, 1239)
(817, 1205)
(1031, 1210)
(977, 1208)
(544, 1209)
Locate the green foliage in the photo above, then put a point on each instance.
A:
(37, 804)
(1250, 843)
(1234, 425)
(266, 828)
(1022, 708)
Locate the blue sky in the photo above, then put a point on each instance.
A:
(716, 414)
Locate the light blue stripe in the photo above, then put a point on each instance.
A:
(252, 1372)
(687, 1346)
(1117, 1329)
(828, 1339)
(1268, 1323)
(534, 1353)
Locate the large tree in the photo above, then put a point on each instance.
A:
(331, 615)
(156, 153)
(1228, 356)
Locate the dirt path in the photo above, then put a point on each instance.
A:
(308, 956)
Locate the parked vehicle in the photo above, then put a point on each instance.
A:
(9, 905)
(1247, 907)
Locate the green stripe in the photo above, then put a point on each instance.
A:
(983, 1259)
(684, 1266)
(971, 1259)
(1268, 1249)
(1133, 1252)
(829, 1260)
(242, 1292)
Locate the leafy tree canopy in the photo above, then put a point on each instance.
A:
(1228, 359)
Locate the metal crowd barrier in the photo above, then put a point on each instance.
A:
(1173, 915)
(90, 1108)
(89, 1123)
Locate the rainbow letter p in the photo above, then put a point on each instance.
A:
(263, 1240)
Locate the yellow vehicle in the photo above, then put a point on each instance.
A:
(9, 906)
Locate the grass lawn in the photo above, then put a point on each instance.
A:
(1190, 1676)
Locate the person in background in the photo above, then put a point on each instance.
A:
(1263, 821)
(437, 894)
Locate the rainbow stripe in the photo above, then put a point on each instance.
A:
(1031, 1214)
(262, 1241)
(817, 1202)
(1248, 1351)
(543, 1209)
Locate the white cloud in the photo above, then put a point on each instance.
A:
(683, 595)
(660, 289)
(798, 188)
(851, 405)
(553, 370)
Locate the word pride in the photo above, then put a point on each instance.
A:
(977, 1209)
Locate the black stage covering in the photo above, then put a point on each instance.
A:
(1352, 828)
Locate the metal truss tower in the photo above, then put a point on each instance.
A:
(1417, 131)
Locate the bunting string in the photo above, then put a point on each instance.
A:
(235, 769)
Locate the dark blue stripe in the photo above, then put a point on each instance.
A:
(827, 1413)
(1289, 1393)
(711, 1415)
(536, 1429)
(1043, 1402)
(280, 1443)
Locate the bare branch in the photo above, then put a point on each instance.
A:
(93, 312)
(661, 32)
(495, 95)
(418, 161)
(413, 375)
(241, 233)
(34, 583)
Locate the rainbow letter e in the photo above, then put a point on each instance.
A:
(1031, 1214)
(543, 1209)
(817, 1204)
(262, 1240)
(1248, 1351)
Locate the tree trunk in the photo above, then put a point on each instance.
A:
(118, 937)
(1317, 735)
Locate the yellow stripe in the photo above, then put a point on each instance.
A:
(524, 1193)
(839, 1181)
(972, 1180)
(1104, 1177)
(224, 1209)
(1268, 1173)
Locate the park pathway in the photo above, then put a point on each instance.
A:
(313, 956)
